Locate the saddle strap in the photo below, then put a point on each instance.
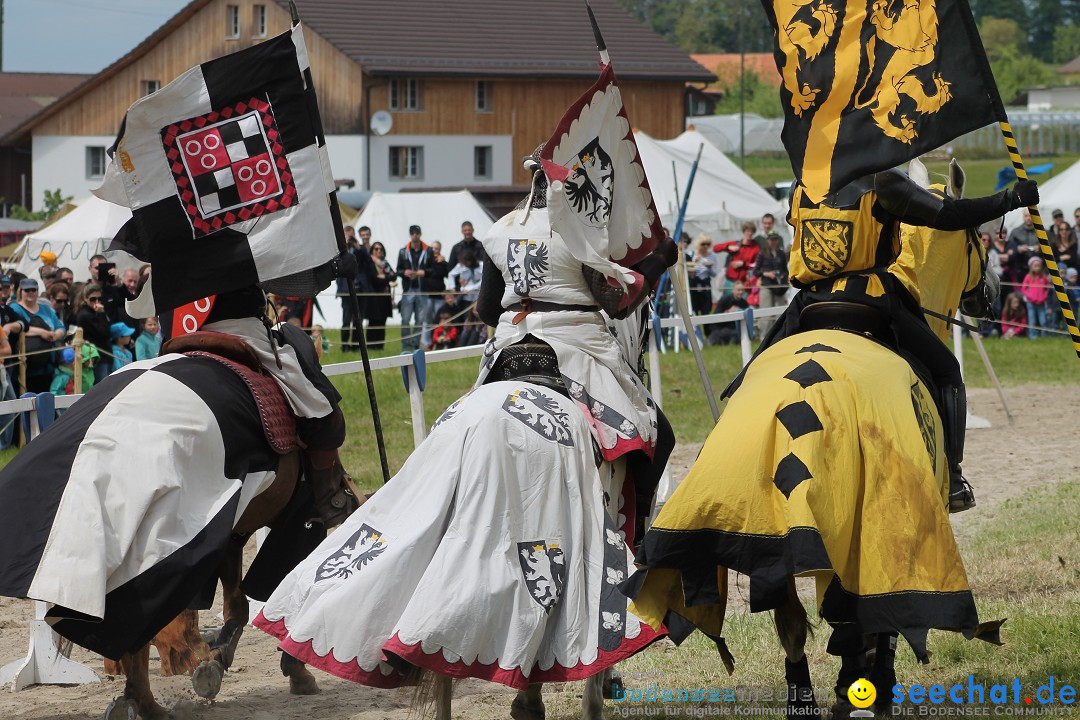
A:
(278, 421)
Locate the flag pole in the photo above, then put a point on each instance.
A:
(1045, 250)
(335, 214)
(1007, 135)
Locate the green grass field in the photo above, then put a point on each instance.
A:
(1045, 361)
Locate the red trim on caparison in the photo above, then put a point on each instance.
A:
(437, 662)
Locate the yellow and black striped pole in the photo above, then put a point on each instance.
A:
(1044, 242)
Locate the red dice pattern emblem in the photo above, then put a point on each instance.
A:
(229, 166)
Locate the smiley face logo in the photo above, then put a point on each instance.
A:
(862, 693)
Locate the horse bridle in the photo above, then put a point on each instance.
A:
(978, 301)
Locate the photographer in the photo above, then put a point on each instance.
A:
(103, 273)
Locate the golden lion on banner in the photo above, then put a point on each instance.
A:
(913, 35)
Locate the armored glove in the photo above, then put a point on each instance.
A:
(1024, 193)
(344, 266)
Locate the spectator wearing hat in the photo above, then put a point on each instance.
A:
(1072, 281)
(415, 261)
(44, 330)
(11, 325)
(121, 348)
(64, 378)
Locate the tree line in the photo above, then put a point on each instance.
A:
(1025, 40)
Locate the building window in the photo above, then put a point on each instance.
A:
(406, 162)
(95, 162)
(482, 162)
(404, 94)
(258, 20)
(483, 96)
(232, 22)
(150, 86)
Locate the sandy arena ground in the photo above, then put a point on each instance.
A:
(1038, 447)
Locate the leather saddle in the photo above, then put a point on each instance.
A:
(278, 421)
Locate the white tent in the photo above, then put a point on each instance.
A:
(723, 196)
(439, 215)
(75, 238)
(1059, 192)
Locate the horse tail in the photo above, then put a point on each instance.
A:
(426, 687)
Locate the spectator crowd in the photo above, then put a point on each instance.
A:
(40, 317)
(1028, 306)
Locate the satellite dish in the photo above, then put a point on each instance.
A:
(381, 122)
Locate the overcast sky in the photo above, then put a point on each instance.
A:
(78, 36)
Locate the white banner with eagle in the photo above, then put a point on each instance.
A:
(599, 199)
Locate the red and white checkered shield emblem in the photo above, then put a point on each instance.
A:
(229, 166)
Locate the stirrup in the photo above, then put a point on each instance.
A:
(961, 496)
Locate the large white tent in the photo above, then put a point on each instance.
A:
(1059, 192)
(75, 238)
(439, 215)
(723, 196)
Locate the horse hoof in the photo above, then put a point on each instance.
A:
(520, 710)
(206, 680)
(304, 686)
(122, 709)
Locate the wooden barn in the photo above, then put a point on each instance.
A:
(463, 89)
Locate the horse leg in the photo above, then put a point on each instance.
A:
(883, 673)
(528, 705)
(443, 690)
(849, 643)
(592, 698)
(207, 678)
(608, 681)
(791, 626)
(137, 697)
(301, 681)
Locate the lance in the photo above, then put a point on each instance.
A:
(335, 214)
(680, 295)
(1002, 119)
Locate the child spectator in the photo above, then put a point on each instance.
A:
(121, 338)
(64, 378)
(148, 344)
(445, 335)
(1013, 317)
(1036, 290)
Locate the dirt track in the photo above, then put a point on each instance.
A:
(1039, 447)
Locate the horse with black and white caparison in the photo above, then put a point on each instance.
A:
(497, 550)
(838, 473)
(139, 499)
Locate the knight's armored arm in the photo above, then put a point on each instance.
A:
(651, 267)
(489, 299)
(913, 205)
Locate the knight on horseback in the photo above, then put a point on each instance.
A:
(841, 261)
(239, 318)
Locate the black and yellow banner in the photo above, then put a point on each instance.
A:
(870, 84)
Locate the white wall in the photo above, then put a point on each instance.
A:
(448, 161)
(60, 162)
(1054, 98)
(347, 158)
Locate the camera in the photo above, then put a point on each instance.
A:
(105, 276)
